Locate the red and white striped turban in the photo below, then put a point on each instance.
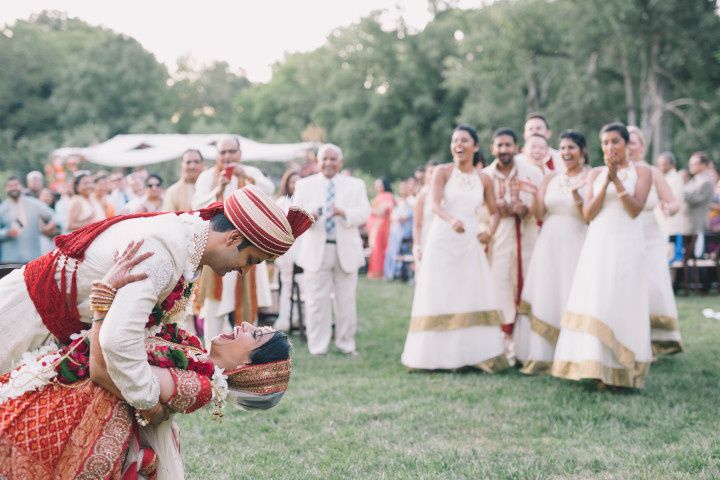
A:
(256, 215)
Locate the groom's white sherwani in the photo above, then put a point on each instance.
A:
(174, 241)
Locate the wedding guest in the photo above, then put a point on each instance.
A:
(230, 296)
(677, 224)
(604, 332)
(698, 194)
(331, 252)
(378, 226)
(179, 195)
(35, 183)
(456, 315)
(664, 326)
(82, 210)
(401, 223)
(537, 124)
(153, 198)
(558, 203)
(509, 252)
(21, 217)
(537, 151)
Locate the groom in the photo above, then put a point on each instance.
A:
(49, 296)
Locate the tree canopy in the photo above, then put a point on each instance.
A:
(388, 95)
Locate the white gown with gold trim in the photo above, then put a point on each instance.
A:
(664, 326)
(549, 277)
(456, 316)
(605, 333)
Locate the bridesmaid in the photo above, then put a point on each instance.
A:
(664, 326)
(558, 204)
(456, 315)
(604, 332)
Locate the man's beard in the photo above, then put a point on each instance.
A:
(14, 194)
(506, 159)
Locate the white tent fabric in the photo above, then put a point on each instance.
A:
(139, 150)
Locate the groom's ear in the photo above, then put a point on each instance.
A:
(233, 237)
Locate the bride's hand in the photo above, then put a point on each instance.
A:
(458, 226)
(119, 274)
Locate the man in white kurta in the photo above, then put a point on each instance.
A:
(514, 239)
(214, 186)
(331, 252)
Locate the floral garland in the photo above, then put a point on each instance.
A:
(166, 355)
(175, 302)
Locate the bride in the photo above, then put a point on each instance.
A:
(62, 417)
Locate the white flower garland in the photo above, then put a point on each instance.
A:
(219, 392)
(36, 370)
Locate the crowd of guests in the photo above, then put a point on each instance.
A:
(516, 258)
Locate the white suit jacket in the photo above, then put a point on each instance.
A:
(351, 197)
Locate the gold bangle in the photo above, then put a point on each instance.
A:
(622, 194)
(103, 285)
(580, 203)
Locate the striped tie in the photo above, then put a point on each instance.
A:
(329, 204)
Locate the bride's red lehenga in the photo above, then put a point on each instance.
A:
(72, 428)
(78, 431)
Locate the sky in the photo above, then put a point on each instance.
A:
(250, 35)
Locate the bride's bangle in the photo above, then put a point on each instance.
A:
(622, 194)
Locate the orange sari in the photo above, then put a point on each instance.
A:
(378, 227)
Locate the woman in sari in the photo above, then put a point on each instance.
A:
(61, 416)
(378, 226)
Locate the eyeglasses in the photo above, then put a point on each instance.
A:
(153, 185)
(232, 151)
(259, 333)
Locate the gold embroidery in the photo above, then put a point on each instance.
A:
(619, 377)
(262, 378)
(664, 322)
(542, 328)
(454, 321)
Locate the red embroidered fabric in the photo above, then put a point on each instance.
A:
(57, 305)
(192, 391)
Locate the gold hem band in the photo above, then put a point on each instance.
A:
(618, 377)
(596, 328)
(536, 367)
(456, 321)
(494, 365)
(542, 328)
(663, 322)
(666, 347)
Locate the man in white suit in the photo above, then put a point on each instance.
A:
(332, 251)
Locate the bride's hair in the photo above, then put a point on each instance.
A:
(276, 349)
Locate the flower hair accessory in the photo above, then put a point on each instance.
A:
(262, 379)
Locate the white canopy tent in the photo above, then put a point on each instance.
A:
(139, 150)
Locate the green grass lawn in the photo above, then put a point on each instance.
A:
(369, 418)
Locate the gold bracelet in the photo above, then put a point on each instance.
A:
(579, 203)
(622, 194)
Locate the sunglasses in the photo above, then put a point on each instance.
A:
(223, 152)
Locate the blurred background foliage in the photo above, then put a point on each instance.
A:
(389, 95)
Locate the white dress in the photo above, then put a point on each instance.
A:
(664, 327)
(549, 278)
(604, 331)
(456, 317)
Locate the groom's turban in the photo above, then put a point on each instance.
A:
(256, 215)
